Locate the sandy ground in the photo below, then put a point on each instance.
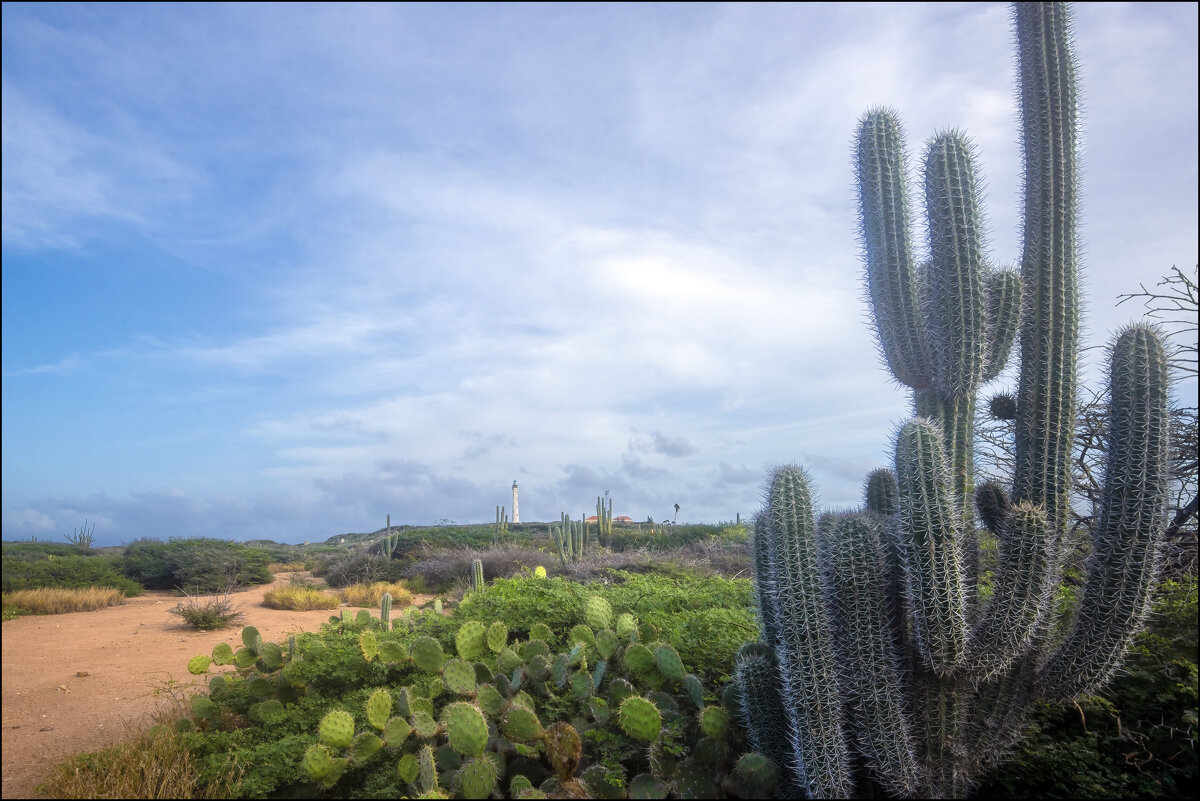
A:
(81, 681)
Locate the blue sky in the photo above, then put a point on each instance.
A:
(279, 271)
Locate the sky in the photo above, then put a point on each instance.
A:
(278, 271)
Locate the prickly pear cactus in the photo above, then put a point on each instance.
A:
(640, 718)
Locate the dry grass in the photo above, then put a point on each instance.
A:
(153, 763)
(286, 567)
(299, 598)
(371, 594)
(55, 600)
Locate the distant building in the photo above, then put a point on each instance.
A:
(622, 519)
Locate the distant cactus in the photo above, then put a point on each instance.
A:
(500, 529)
(390, 542)
(570, 539)
(604, 522)
(477, 582)
(879, 670)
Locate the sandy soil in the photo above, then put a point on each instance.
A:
(81, 681)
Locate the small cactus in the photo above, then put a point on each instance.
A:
(385, 609)
(477, 582)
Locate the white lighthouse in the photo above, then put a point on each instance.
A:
(516, 512)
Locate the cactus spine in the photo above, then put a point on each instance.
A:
(876, 651)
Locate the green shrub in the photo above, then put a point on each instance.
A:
(1136, 739)
(207, 612)
(706, 619)
(51, 566)
(360, 566)
(202, 565)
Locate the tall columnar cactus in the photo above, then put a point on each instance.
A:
(604, 521)
(876, 651)
(477, 582)
(500, 529)
(390, 540)
(385, 610)
(570, 539)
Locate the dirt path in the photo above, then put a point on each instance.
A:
(81, 681)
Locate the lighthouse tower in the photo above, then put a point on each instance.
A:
(516, 512)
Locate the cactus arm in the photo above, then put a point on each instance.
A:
(757, 678)
(1023, 586)
(955, 306)
(883, 224)
(764, 584)
(1049, 331)
(854, 555)
(1004, 317)
(1124, 565)
(881, 494)
(807, 663)
(930, 547)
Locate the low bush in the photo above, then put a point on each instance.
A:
(57, 600)
(154, 763)
(208, 612)
(299, 598)
(1136, 738)
(287, 567)
(360, 566)
(200, 564)
(442, 568)
(63, 566)
(372, 594)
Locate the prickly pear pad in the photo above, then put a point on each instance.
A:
(459, 677)
(497, 637)
(337, 729)
(639, 658)
(607, 643)
(427, 654)
(407, 768)
(466, 728)
(379, 708)
(222, 654)
(478, 778)
(669, 663)
(198, 665)
(507, 661)
(471, 640)
(317, 762)
(563, 749)
(521, 725)
(597, 612)
(640, 718)
(714, 722)
(396, 731)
